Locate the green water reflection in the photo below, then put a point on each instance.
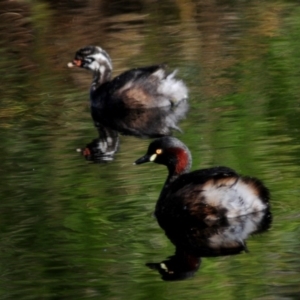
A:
(73, 230)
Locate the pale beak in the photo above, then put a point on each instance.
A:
(75, 63)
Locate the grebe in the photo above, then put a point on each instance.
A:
(207, 194)
(145, 87)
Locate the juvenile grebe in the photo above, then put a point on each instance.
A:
(207, 194)
(145, 87)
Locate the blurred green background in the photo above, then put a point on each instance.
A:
(74, 230)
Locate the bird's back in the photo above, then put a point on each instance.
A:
(145, 87)
(211, 194)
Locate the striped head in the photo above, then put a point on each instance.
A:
(92, 58)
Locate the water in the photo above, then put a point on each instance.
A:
(75, 230)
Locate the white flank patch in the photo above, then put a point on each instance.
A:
(239, 199)
(160, 74)
(238, 230)
(173, 89)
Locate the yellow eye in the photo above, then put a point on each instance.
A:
(158, 151)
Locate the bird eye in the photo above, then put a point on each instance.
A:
(158, 151)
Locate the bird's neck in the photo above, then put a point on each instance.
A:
(179, 164)
(100, 75)
(168, 182)
(172, 176)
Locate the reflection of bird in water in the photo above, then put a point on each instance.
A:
(194, 240)
(143, 102)
(152, 122)
(180, 266)
(103, 148)
(207, 194)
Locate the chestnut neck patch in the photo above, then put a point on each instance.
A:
(181, 159)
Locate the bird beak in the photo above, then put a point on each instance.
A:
(75, 63)
(142, 160)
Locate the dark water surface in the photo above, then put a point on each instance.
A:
(70, 229)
